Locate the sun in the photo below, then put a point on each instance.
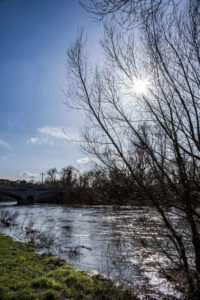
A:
(140, 86)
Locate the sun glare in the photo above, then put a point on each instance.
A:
(140, 86)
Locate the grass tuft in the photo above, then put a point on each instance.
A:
(25, 275)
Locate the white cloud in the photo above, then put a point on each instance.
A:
(48, 135)
(33, 140)
(55, 132)
(27, 175)
(86, 160)
(5, 145)
(83, 160)
(41, 140)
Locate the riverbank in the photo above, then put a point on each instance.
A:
(25, 275)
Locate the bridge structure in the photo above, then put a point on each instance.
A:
(25, 196)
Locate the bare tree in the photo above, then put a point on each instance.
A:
(51, 173)
(68, 176)
(153, 134)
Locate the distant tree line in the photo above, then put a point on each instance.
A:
(96, 186)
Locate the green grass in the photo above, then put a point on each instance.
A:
(25, 275)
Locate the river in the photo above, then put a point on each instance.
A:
(106, 239)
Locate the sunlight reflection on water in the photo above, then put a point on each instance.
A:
(107, 237)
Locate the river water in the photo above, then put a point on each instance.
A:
(106, 239)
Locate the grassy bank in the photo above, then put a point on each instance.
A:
(24, 275)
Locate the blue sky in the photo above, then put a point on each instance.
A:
(34, 37)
